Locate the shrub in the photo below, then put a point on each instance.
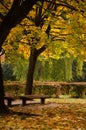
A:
(15, 89)
(77, 91)
(8, 72)
(45, 89)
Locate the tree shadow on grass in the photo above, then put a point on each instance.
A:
(12, 113)
(23, 114)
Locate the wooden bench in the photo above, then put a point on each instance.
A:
(30, 97)
(25, 98)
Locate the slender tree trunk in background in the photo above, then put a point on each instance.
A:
(34, 53)
(31, 68)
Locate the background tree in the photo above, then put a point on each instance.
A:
(62, 28)
(57, 30)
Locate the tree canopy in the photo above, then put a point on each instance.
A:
(67, 33)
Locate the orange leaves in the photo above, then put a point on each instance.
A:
(53, 116)
(24, 49)
(8, 48)
(68, 28)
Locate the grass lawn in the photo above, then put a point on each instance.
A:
(56, 114)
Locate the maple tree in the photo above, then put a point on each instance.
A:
(32, 37)
(50, 29)
(13, 17)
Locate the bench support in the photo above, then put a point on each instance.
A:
(42, 100)
(9, 102)
(24, 101)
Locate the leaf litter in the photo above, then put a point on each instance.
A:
(51, 116)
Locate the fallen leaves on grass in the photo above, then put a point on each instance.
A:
(62, 116)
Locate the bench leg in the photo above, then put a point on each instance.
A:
(42, 100)
(23, 102)
(9, 102)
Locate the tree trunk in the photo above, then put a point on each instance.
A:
(3, 108)
(31, 68)
(15, 15)
(34, 53)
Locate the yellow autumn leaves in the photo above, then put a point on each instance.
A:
(52, 116)
(66, 35)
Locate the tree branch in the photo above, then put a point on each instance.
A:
(39, 51)
(17, 12)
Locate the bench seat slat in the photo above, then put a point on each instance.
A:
(35, 96)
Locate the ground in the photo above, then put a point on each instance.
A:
(56, 114)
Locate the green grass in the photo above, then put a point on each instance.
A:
(67, 99)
